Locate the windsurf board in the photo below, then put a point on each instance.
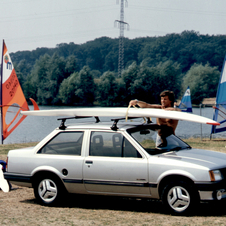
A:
(122, 112)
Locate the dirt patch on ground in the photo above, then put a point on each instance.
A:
(19, 207)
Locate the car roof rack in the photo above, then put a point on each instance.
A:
(63, 120)
(114, 126)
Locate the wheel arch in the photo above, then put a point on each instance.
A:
(46, 173)
(49, 188)
(175, 177)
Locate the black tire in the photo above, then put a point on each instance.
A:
(48, 190)
(179, 198)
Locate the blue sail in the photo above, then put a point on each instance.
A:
(219, 114)
(185, 104)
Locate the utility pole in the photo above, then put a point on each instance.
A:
(122, 24)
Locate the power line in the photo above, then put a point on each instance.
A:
(179, 10)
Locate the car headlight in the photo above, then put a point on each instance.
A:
(215, 175)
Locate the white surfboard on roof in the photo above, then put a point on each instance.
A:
(122, 112)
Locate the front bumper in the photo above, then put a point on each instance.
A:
(212, 190)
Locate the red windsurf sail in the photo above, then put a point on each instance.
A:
(12, 99)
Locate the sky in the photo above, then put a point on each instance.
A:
(31, 24)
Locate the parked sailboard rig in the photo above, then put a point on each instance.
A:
(185, 104)
(219, 113)
(12, 99)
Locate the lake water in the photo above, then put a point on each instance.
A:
(35, 128)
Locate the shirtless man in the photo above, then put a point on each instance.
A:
(167, 103)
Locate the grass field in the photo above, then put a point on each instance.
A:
(214, 144)
(4, 148)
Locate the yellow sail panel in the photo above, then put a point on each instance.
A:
(13, 99)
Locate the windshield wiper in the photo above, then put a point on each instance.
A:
(179, 148)
(176, 149)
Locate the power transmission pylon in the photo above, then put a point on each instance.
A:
(122, 24)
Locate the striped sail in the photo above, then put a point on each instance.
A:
(219, 113)
(185, 104)
(12, 99)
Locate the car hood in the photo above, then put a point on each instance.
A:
(206, 158)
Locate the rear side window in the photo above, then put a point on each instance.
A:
(65, 143)
(111, 145)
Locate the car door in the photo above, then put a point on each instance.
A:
(114, 166)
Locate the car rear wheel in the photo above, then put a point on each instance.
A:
(179, 197)
(48, 190)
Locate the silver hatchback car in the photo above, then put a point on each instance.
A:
(118, 160)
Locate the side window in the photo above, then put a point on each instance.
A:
(111, 145)
(64, 143)
(147, 139)
(129, 150)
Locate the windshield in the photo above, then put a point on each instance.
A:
(148, 137)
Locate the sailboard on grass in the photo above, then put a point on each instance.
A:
(185, 104)
(219, 113)
(12, 99)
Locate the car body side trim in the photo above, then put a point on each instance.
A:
(73, 181)
(116, 183)
(23, 178)
(19, 178)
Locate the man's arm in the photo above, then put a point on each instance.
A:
(143, 104)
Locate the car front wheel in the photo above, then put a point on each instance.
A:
(179, 197)
(48, 190)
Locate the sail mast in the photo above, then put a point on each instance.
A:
(1, 91)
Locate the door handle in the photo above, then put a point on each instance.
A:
(89, 162)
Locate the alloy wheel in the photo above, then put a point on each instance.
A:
(47, 190)
(178, 198)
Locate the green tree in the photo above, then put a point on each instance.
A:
(202, 80)
(30, 87)
(128, 77)
(146, 87)
(151, 81)
(170, 76)
(40, 78)
(85, 87)
(56, 74)
(107, 89)
(71, 66)
(67, 90)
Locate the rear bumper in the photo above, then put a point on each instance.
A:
(18, 179)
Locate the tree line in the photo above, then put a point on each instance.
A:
(86, 74)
